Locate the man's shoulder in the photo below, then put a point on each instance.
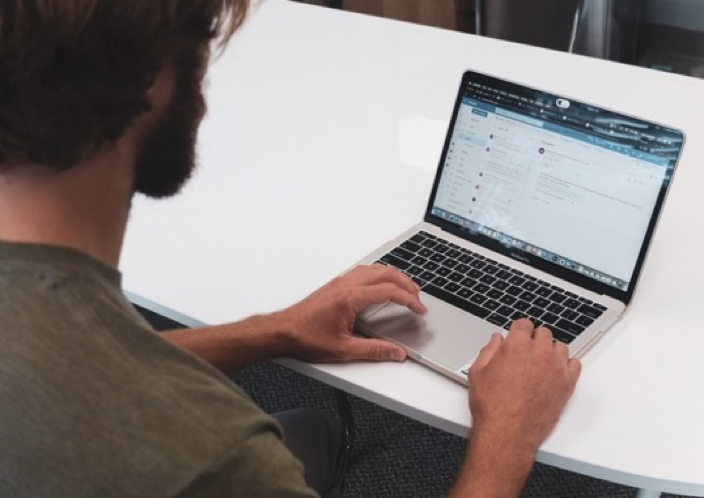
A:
(86, 382)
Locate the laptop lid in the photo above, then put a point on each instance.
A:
(567, 187)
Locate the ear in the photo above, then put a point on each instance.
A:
(160, 91)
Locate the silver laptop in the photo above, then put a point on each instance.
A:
(542, 207)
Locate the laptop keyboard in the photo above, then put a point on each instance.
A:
(490, 290)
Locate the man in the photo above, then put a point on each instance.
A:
(101, 99)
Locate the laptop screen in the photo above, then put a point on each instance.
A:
(563, 185)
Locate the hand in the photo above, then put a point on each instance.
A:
(519, 385)
(321, 325)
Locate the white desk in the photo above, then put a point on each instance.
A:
(321, 142)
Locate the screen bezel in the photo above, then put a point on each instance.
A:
(525, 257)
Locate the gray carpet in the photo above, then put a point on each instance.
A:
(395, 456)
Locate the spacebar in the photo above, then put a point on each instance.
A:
(457, 301)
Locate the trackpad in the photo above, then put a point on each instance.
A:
(444, 335)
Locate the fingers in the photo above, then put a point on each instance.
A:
(488, 351)
(378, 273)
(358, 348)
(383, 293)
(574, 370)
(520, 329)
(382, 284)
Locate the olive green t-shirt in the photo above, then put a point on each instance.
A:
(94, 403)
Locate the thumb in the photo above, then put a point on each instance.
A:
(489, 350)
(359, 348)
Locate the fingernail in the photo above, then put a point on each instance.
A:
(397, 355)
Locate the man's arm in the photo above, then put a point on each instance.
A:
(317, 329)
(518, 388)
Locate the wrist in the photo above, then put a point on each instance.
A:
(495, 466)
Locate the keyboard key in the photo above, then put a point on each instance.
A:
(465, 293)
(491, 269)
(452, 253)
(521, 305)
(541, 302)
(492, 305)
(513, 290)
(590, 311)
(426, 275)
(503, 274)
(450, 263)
(599, 307)
(487, 279)
(465, 258)
(543, 291)
(439, 281)
(585, 300)
(557, 297)
(426, 234)
(431, 266)
(396, 262)
(419, 260)
(441, 248)
(516, 280)
(527, 296)
(478, 298)
(452, 287)
(569, 314)
(505, 311)
(549, 318)
(497, 320)
(509, 300)
(570, 327)
(481, 288)
(438, 258)
(474, 273)
(501, 285)
(403, 254)
(442, 271)
(469, 282)
(429, 243)
(556, 308)
(411, 246)
(455, 300)
(584, 320)
(418, 238)
(536, 312)
(494, 293)
(477, 263)
(455, 277)
(571, 303)
(462, 268)
(561, 335)
(530, 286)
(426, 253)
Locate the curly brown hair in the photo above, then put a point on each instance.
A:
(74, 73)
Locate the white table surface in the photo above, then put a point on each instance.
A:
(321, 142)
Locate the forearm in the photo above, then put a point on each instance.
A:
(236, 345)
(493, 468)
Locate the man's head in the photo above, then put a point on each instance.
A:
(75, 74)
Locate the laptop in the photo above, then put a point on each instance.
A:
(542, 207)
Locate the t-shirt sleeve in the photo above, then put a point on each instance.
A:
(260, 467)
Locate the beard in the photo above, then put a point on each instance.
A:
(167, 155)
